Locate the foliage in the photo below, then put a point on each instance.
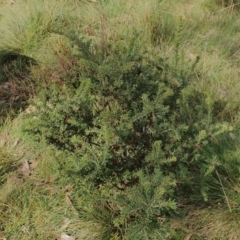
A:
(126, 116)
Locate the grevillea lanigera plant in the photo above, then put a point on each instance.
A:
(139, 138)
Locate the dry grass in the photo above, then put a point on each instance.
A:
(214, 223)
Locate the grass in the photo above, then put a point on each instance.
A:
(36, 203)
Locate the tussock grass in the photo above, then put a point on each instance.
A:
(26, 25)
(32, 204)
(208, 222)
(27, 212)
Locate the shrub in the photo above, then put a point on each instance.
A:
(139, 138)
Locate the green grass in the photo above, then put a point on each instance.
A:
(37, 205)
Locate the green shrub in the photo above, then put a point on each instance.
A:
(139, 138)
